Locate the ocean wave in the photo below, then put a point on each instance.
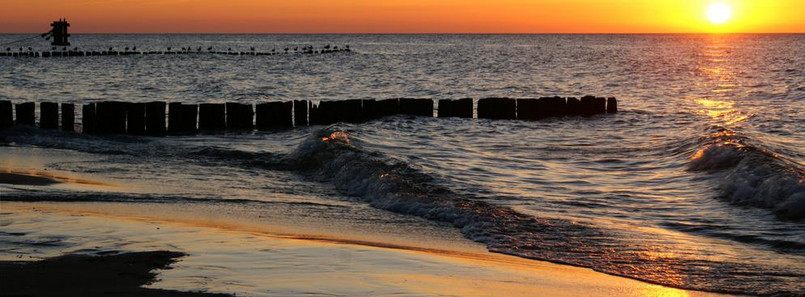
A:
(751, 175)
(331, 156)
(334, 157)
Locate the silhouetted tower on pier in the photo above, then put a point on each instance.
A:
(59, 32)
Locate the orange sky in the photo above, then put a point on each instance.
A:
(398, 16)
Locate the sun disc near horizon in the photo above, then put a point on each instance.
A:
(719, 13)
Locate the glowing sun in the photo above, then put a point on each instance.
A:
(719, 13)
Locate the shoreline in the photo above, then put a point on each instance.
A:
(425, 270)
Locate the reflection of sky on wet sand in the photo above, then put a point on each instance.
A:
(260, 264)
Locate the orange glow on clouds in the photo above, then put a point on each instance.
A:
(400, 16)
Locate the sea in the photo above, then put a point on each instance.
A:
(698, 182)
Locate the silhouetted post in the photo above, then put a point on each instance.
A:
(587, 106)
(369, 109)
(300, 112)
(135, 118)
(612, 105)
(239, 116)
(88, 119)
(6, 114)
(600, 105)
(574, 106)
(189, 117)
(48, 115)
(557, 106)
(416, 107)
(155, 118)
(497, 108)
(323, 113)
(175, 118)
(314, 116)
(461, 108)
(26, 113)
(274, 115)
(528, 109)
(68, 117)
(387, 107)
(211, 116)
(111, 116)
(591, 105)
(349, 111)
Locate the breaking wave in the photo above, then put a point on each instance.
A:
(751, 175)
(330, 156)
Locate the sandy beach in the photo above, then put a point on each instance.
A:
(229, 253)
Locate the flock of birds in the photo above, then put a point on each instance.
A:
(75, 51)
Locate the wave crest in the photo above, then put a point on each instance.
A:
(751, 175)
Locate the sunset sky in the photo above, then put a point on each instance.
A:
(400, 16)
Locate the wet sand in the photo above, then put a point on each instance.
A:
(24, 179)
(97, 248)
(83, 275)
(258, 263)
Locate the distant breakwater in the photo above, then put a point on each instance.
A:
(188, 51)
(159, 118)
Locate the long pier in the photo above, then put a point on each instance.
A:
(160, 118)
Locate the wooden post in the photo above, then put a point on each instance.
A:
(88, 119)
(461, 108)
(612, 105)
(387, 107)
(416, 107)
(574, 106)
(111, 117)
(189, 116)
(272, 115)
(497, 108)
(48, 115)
(528, 109)
(300, 112)
(68, 117)
(175, 118)
(239, 116)
(135, 118)
(6, 114)
(26, 113)
(155, 118)
(211, 116)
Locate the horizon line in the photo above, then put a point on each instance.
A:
(422, 33)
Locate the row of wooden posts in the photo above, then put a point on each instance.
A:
(75, 53)
(161, 118)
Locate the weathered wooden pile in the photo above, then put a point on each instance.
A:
(160, 118)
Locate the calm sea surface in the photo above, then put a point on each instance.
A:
(699, 181)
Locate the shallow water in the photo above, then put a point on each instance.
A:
(697, 183)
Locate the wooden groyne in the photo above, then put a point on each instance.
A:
(60, 35)
(115, 117)
(21, 52)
